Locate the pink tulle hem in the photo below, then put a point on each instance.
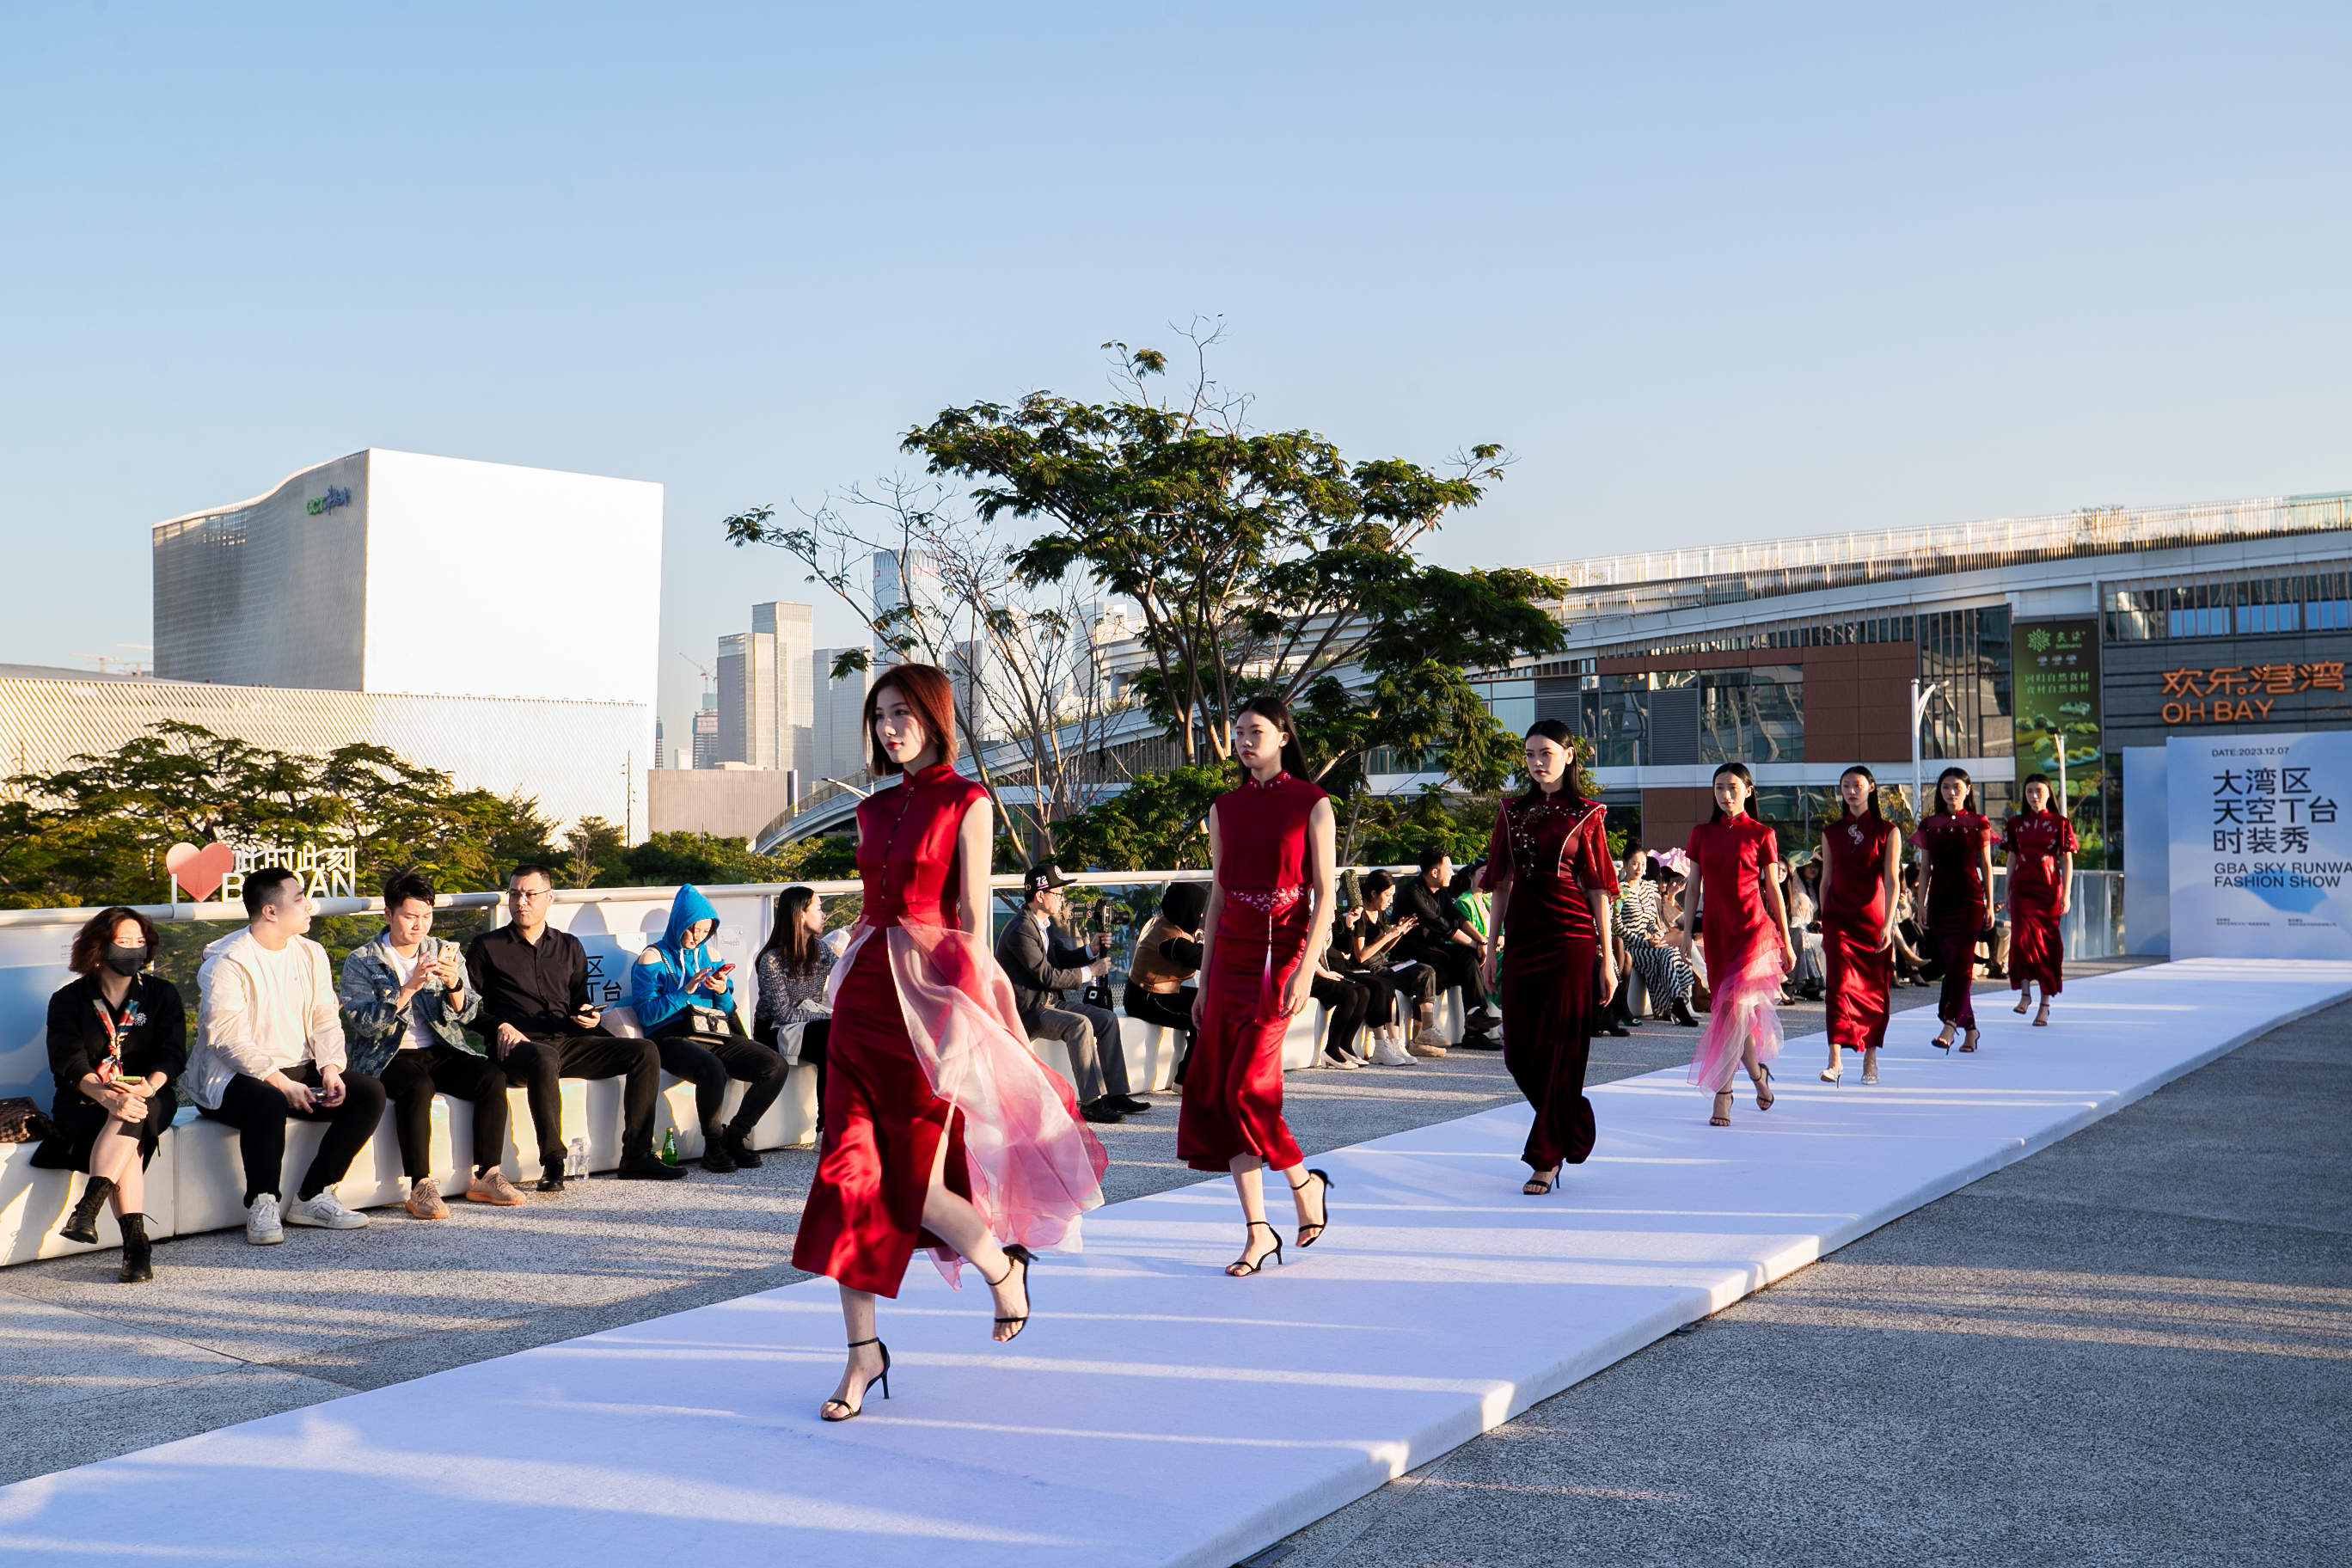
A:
(1741, 1009)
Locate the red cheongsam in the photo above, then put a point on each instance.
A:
(1854, 930)
(2037, 843)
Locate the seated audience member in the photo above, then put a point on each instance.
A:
(1917, 961)
(1646, 911)
(1042, 967)
(405, 993)
(118, 1040)
(685, 998)
(1443, 938)
(1371, 938)
(1167, 953)
(793, 970)
(270, 1046)
(1805, 924)
(1344, 1005)
(540, 1027)
(1358, 951)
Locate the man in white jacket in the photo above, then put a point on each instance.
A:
(270, 1046)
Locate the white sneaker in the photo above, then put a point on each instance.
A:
(1388, 1052)
(261, 1226)
(325, 1211)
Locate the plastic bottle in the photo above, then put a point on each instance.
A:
(575, 1160)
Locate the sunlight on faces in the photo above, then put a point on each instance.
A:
(1257, 742)
(813, 917)
(528, 897)
(698, 933)
(1952, 792)
(128, 934)
(409, 922)
(1854, 790)
(2037, 796)
(1731, 792)
(897, 731)
(1547, 763)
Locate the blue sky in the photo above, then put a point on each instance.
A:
(1713, 272)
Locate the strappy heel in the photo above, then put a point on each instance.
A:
(1540, 1183)
(824, 1411)
(1836, 1070)
(1764, 1095)
(1943, 1041)
(1016, 1253)
(1320, 1226)
(1242, 1268)
(2042, 1019)
(1722, 1117)
(2024, 1004)
(1870, 1066)
(1969, 1043)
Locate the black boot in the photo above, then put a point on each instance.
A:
(83, 1225)
(138, 1252)
(740, 1150)
(1683, 1014)
(715, 1157)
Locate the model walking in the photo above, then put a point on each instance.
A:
(2040, 844)
(941, 1129)
(1860, 867)
(1271, 887)
(1956, 852)
(1547, 866)
(1745, 924)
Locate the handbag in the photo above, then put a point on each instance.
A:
(21, 1121)
(707, 1022)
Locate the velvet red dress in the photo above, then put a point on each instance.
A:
(927, 1044)
(1742, 943)
(2037, 843)
(1958, 904)
(1853, 927)
(1232, 1086)
(1551, 847)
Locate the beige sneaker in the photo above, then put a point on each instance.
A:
(493, 1188)
(1427, 1043)
(425, 1201)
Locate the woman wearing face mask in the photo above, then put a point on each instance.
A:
(1270, 892)
(1955, 847)
(118, 1040)
(2040, 844)
(1862, 855)
(1549, 866)
(1748, 947)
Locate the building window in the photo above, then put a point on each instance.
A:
(1754, 715)
(2181, 607)
(1966, 654)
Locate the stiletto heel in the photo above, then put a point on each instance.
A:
(1764, 1095)
(2042, 1019)
(2024, 1002)
(1969, 1043)
(882, 1377)
(1318, 1226)
(1540, 1184)
(1870, 1066)
(1242, 1268)
(1016, 1253)
(1943, 1042)
(1722, 1117)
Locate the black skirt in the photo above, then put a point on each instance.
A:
(78, 1122)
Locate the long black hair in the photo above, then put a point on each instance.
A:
(790, 936)
(1968, 795)
(1871, 778)
(1572, 786)
(1275, 711)
(2043, 780)
(1738, 771)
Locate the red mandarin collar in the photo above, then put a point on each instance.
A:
(925, 778)
(1251, 781)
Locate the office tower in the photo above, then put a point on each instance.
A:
(795, 691)
(837, 744)
(747, 699)
(706, 733)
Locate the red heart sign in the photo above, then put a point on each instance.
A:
(199, 870)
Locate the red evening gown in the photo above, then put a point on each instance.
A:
(1232, 1086)
(2037, 843)
(1743, 946)
(1957, 904)
(1854, 925)
(926, 1043)
(1551, 846)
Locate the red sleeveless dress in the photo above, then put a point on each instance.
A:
(1232, 1086)
(1854, 921)
(926, 1044)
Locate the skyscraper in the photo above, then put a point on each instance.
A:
(766, 690)
(706, 733)
(838, 745)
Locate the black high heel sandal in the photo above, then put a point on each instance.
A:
(1242, 1268)
(1016, 1253)
(882, 1377)
(1538, 1185)
(1318, 1226)
(1765, 1097)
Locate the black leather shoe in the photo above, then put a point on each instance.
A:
(551, 1178)
(1127, 1104)
(1619, 1031)
(740, 1150)
(715, 1157)
(1479, 1043)
(138, 1252)
(1099, 1110)
(647, 1168)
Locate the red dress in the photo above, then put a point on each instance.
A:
(927, 1044)
(1551, 846)
(1232, 1086)
(1958, 904)
(1854, 927)
(1742, 943)
(2037, 843)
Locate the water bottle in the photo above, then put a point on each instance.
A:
(575, 1161)
(670, 1146)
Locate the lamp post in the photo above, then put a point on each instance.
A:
(1923, 694)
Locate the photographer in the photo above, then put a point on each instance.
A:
(1042, 967)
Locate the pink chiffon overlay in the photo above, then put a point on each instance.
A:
(1744, 1009)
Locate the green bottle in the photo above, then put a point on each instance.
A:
(670, 1146)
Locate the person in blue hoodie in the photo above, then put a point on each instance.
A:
(683, 994)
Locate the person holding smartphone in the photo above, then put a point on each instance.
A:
(683, 994)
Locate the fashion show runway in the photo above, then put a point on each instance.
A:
(1156, 1412)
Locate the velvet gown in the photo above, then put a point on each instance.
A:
(1743, 946)
(1551, 846)
(927, 1044)
(1232, 1086)
(2037, 843)
(1853, 921)
(1958, 904)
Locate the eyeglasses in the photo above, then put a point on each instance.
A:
(530, 896)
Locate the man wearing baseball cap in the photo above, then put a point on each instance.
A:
(1042, 967)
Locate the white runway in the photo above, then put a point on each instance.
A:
(1156, 1411)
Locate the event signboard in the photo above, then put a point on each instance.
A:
(2057, 695)
(2262, 853)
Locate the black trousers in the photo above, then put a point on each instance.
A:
(259, 1114)
(1379, 987)
(1455, 965)
(1346, 1001)
(1172, 1008)
(1098, 1058)
(813, 1037)
(413, 1077)
(707, 1061)
(540, 1065)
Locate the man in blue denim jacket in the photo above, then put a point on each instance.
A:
(406, 997)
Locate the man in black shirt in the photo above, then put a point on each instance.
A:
(1443, 938)
(542, 1027)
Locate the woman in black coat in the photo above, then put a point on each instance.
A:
(118, 1041)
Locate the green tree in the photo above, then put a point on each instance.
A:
(1158, 822)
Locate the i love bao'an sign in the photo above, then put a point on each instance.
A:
(325, 872)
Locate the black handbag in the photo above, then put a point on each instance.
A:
(21, 1121)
